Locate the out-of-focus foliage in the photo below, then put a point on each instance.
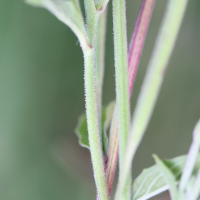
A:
(42, 95)
(151, 180)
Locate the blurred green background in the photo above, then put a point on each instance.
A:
(42, 95)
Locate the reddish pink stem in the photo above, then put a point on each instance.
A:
(135, 50)
(137, 40)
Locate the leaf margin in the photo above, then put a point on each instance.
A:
(180, 160)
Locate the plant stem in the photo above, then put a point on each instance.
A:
(135, 50)
(112, 153)
(152, 83)
(121, 67)
(191, 160)
(121, 71)
(138, 38)
(195, 191)
(92, 16)
(91, 102)
(100, 54)
(93, 125)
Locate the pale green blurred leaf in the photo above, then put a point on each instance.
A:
(67, 11)
(151, 181)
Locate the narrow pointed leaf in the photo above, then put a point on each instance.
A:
(168, 176)
(191, 158)
(151, 182)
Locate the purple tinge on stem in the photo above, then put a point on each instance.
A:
(135, 50)
(137, 40)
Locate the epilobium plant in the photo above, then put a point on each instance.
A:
(181, 175)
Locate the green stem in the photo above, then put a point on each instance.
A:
(194, 193)
(100, 54)
(190, 163)
(91, 102)
(152, 83)
(112, 152)
(93, 125)
(121, 71)
(92, 16)
(136, 46)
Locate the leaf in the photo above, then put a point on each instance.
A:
(151, 182)
(107, 114)
(82, 132)
(168, 176)
(67, 11)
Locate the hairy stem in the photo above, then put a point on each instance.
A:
(135, 50)
(92, 16)
(100, 54)
(121, 71)
(152, 83)
(91, 102)
(93, 125)
(121, 67)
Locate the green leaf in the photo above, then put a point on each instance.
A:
(168, 176)
(82, 132)
(107, 114)
(151, 182)
(67, 11)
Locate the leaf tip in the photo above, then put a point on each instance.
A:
(36, 3)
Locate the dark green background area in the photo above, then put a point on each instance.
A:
(42, 95)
